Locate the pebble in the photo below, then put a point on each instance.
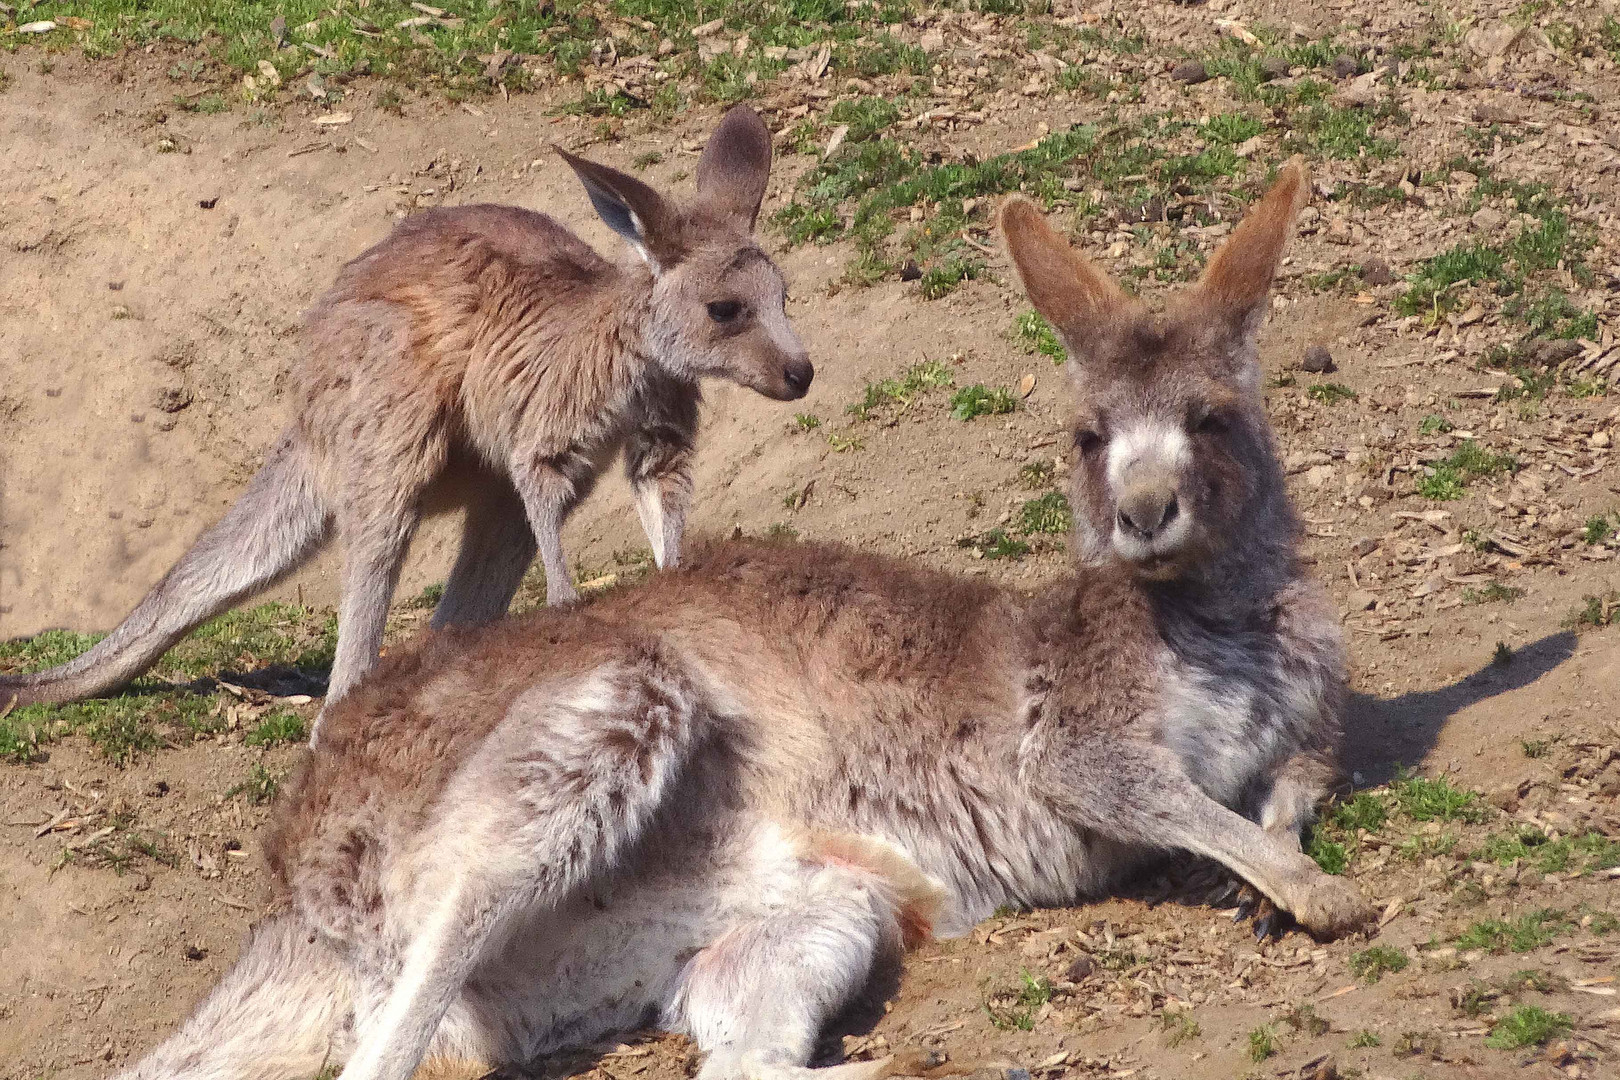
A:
(1600, 440)
(1361, 600)
(1344, 66)
(1376, 271)
(1189, 72)
(1080, 969)
(1318, 361)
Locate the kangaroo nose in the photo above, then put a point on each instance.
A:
(798, 375)
(1144, 513)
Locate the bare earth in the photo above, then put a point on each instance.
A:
(120, 294)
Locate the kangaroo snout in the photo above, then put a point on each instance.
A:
(1145, 512)
(798, 374)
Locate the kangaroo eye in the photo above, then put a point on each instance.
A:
(1086, 440)
(1207, 421)
(723, 311)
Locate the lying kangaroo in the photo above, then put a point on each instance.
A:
(486, 356)
(715, 801)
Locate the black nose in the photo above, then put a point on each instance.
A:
(1143, 516)
(798, 376)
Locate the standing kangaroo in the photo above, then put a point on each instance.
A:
(716, 801)
(485, 356)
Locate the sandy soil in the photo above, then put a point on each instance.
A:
(154, 256)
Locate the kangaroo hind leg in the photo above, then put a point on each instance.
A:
(554, 798)
(497, 547)
(758, 998)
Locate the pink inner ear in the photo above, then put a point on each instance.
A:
(1068, 289)
(1239, 275)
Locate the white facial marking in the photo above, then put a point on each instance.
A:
(1149, 448)
(1147, 444)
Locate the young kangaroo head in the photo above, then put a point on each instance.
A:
(1176, 463)
(717, 298)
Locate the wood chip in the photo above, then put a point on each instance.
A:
(61, 816)
(332, 119)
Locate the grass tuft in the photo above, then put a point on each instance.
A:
(1373, 963)
(1527, 1025)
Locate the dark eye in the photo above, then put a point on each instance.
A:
(1086, 439)
(723, 311)
(1207, 421)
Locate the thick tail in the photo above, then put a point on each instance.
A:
(284, 1012)
(266, 533)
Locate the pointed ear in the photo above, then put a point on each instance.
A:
(1238, 278)
(633, 210)
(1068, 289)
(734, 168)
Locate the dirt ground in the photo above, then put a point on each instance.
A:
(153, 263)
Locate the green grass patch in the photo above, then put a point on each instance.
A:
(1179, 1026)
(1598, 528)
(1038, 336)
(1423, 799)
(1330, 393)
(1527, 1025)
(1584, 853)
(278, 727)
(260, 787)
(901, 392)
(1447, 478)
(1049, 513)
(1492, 592)
(1373, 963)
(995, 544)
(980, 400)
(1019, 1009)
(1262, 1043)
(1364, 1039)
(1435, 425)
(152, 713)
(1594, 611)
(1519, 935)
(866, 116)
(940, 281)
(1037, 474)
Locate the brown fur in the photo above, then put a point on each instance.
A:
(485, 357)
(718, 798)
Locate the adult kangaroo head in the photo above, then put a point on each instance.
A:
(1176, 466)
(718, 301)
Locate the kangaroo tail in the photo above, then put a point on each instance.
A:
(283, 1012)
(266, 533)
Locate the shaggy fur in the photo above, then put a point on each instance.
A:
(714, 802)
(486, 357)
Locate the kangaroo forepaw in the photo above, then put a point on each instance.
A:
(1332, 907)
(1270, 921)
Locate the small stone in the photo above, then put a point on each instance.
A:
(1376, 271)
(1274, 67)
(1361, 600)
(1556, 352)
(1190, 72)
(1486, 219)
(1363, 545)
(1318, 361)
(1344, 66)
(1600, 440)
(1080, 969)
(171, 399)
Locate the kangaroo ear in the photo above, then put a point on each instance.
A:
(633, 210)
(1238, 278)
(1068, 289)
(734, 168)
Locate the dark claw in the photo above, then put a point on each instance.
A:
(1226, 895)
(1268, 925)
(1245, 907)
